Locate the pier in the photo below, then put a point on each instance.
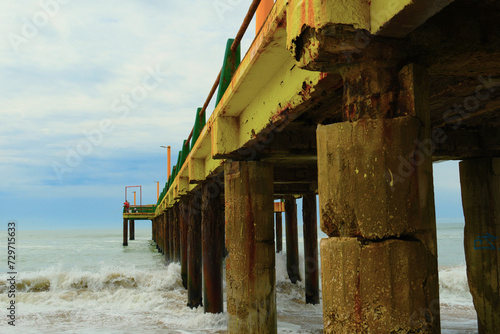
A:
(351, 101)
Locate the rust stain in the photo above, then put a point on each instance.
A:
(310, 13)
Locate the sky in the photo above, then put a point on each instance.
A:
(91, 89)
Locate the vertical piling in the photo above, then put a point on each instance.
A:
(178, 249)
(171, 219)
(379, 264)
(166, 239)
(125, 232)
(183, 214)
(152, 230)
(160, 234)
(212, 223)
(279, 232)
(292, 239)
(250, 265)
(175, 233)
(310, 229)
(194, 253)
(480, 181)
(132, 229)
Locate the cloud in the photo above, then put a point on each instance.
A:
(64, 65)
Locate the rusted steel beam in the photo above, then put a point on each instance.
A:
(183, 213)
(194, 255)
(246, 22)
(310, 226)
(125, 232)
(292, 239)
(279, 232)
(212, 223)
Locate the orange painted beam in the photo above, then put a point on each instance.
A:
(262, 12)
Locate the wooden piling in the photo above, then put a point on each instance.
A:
(279, 232)
(183, 221)
(292, 239)
(310, 229)
(125, 232)
(480, 181)
(194, 253)
(250, 265)
(212, 223)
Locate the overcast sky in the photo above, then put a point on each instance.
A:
(89, 90)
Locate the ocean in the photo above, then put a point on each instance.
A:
(87, 282)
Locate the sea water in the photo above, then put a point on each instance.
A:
(87, 282)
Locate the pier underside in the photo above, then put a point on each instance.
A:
(351, 100)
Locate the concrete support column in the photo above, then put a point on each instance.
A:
(183, 210)
(153, 236)
(171, 220)
(310, 229)
(212, 223)
(194, 254)
(175, 230)
(160, 234)
(177, 236)
(379, 264)
(279, 232)
(250, 265)
(165, 232)
(125, 232)
(292, 239)
(132, 229)
(480, 180)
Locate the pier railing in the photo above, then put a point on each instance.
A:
(231, 62)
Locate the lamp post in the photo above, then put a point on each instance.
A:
(168, 160)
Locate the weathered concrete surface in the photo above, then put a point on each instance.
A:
(371, 186)
(383, 287)
(250, 265)
(480, 180)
